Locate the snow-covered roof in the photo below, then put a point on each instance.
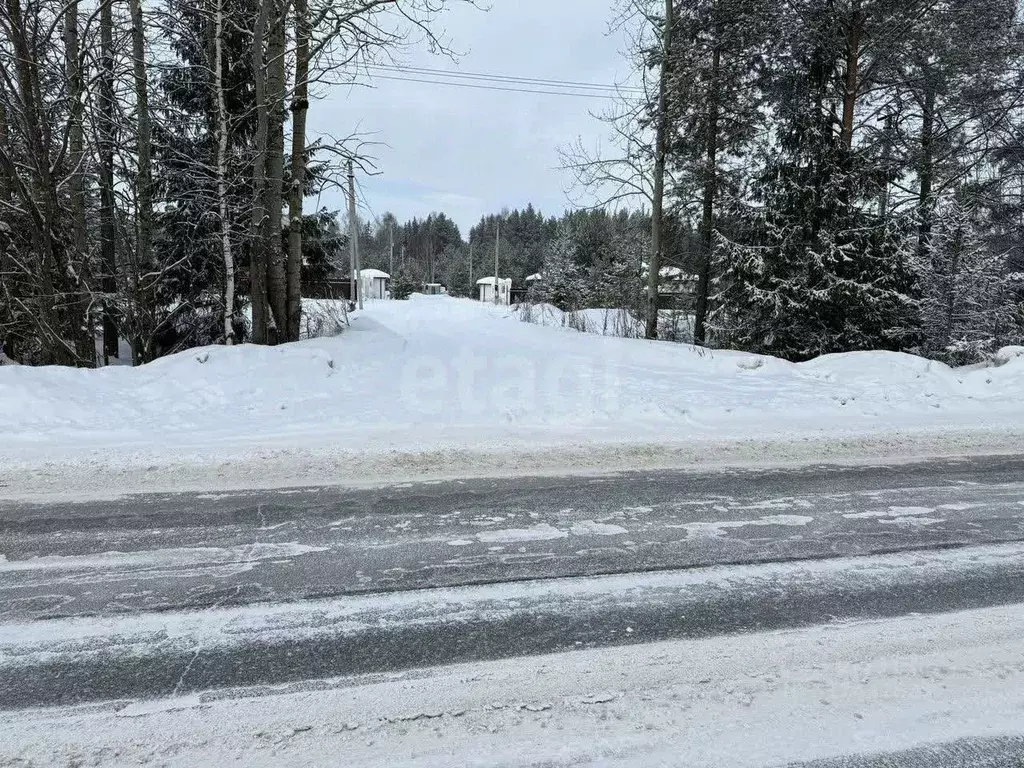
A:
(371, 274)
(490, 280)
(670, 273)
(536, 278)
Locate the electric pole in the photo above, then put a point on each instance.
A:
(471, 267)
(497, 246)
(356, 291)
(391, 241)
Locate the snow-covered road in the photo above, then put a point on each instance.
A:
(742, 701)
(308, 626)
(451, 387)
(180, 551)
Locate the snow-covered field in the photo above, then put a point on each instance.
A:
(440, 386)
(725, 702)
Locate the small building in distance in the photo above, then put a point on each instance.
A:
(486, 287)
(434, 289)
(374, 284)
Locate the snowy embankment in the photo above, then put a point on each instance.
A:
(440, 386)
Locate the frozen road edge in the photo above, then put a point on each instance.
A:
(101, 473)
(155, 654)
(760, 699)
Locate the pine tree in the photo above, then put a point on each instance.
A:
(715, 98)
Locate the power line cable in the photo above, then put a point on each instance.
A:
(510, 79)
(498, 88)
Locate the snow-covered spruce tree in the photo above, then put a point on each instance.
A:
(402, 286)
(816, 275)
(813, 268)
(621, 283)
(968, 306)
(563, 284)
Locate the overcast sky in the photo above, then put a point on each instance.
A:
(469, 152)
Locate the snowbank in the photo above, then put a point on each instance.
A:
(447, 377)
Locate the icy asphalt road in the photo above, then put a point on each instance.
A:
(938, 690)
(173, 552)
(1002, 752)
(96, 599)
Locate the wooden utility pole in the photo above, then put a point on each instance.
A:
(353, 236)
(391, 245)
(471, 267)
(497, 247)
(657, 204)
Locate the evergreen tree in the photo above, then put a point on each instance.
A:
(402, 286)
(720, 54)
(817, 271)
(562, 282)
(968, 307)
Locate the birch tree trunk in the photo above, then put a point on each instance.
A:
(141, 344)
(222, 171)
(296, 197)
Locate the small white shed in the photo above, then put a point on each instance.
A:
(374, 283)
(486, 288)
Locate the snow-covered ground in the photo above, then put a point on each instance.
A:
(731, 702)
(444, 386)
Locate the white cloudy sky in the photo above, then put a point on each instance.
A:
(468, 152)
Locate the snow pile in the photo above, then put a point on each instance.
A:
(1008, 354)
(450, 375)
